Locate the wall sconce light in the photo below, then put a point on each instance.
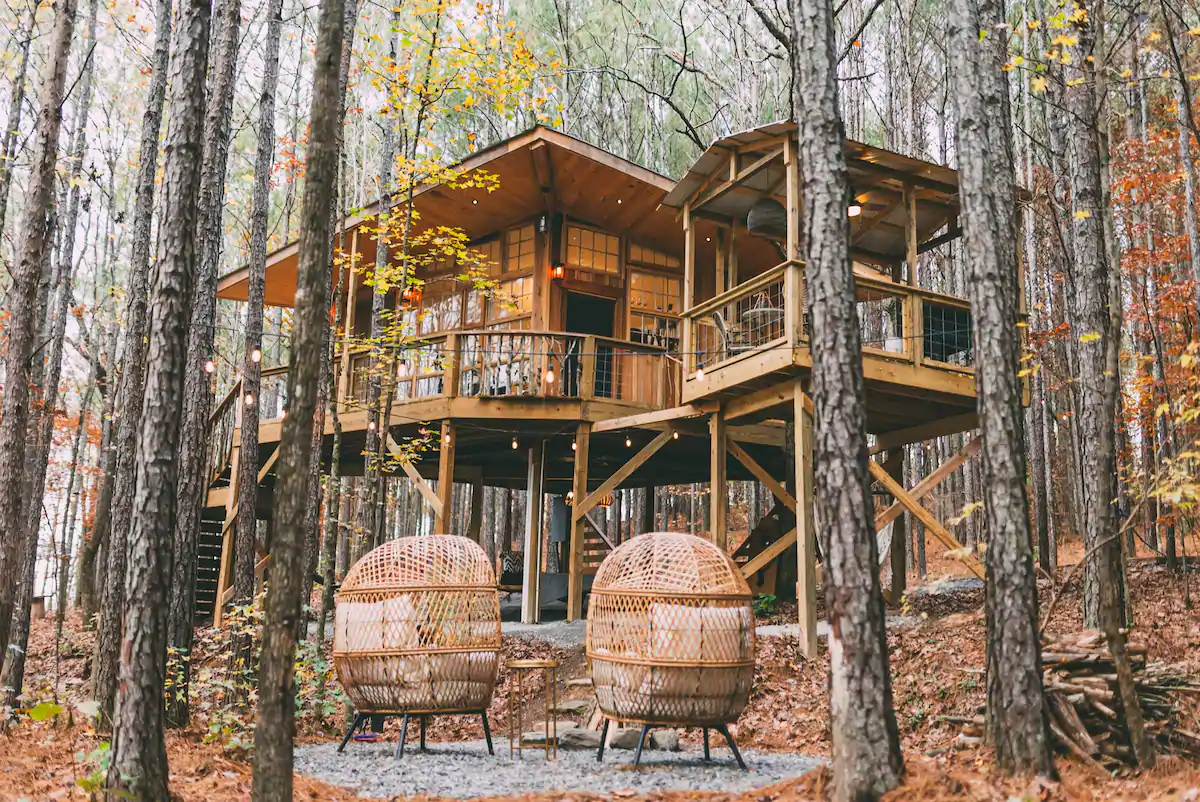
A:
(558, 272)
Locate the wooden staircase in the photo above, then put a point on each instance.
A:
(770, 528)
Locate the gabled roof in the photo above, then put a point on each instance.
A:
(538, 170)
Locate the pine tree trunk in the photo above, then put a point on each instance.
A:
(275, 726)
(139, 760)
(866, 746)
(1017, 726)
(197, 391)
(247, 518)
(16, 106)
(21, 328)
(131, 386)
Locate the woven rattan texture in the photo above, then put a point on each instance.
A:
(417, 627)
(670, 636)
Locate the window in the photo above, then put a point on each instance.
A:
(513, 298)
(649, 256)
(519, 246)
(654, 305)
(651, 292)
(593, 250)
(441, 313)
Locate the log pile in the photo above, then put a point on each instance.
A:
(1085, 704)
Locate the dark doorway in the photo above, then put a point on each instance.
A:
(590, 314)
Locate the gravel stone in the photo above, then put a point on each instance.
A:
(465, 770)
(566, 634)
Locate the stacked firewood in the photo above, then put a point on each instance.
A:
(1086, 715)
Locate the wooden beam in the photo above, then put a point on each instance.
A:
(870, 223)
(599, 530)
(620, 475)
(954, 233)
(791, 166)
(531, 583)
(766, 398)
(583, 439)
(925, 517)
(761, 474)
(925, 431)
(434, 501)
(923, 487)
(645, 419)
(718, 494)
(894, 465)
(445, 488)
(806, 537)
(910, 225)
(737, 176)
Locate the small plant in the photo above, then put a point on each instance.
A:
(764, 605)
(97, 760)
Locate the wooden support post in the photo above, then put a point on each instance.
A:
(806, 538)
(722, 260)
(582, 507)
(689, 288)
(894, 465)
(531, 585)
(351, 291)
(444, 512)
(411, 472)
(583, 437)
(791, 166)
(910, 227)
(228, 549)
(475, 522)
(718, 487)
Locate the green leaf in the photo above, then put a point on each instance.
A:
(45, 711)
(90, 708)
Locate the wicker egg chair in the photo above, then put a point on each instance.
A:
(417, 633)
(670, 637)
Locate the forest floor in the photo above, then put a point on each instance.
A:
(937, 659)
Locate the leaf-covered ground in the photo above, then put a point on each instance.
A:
(937, 660)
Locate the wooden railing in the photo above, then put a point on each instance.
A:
(768, 313)
(221, 425)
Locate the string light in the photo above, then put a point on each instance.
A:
(256, 357)
(370, 426)
(447, 438)
(675, 435)
(550, 376)
(628, 442)
(573, 446)
(514, 444)
(210, 366)
(699, 374)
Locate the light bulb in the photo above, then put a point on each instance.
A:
(550, 376)
(674, 435)
(573, 446)
(447, 438)
(210, 366)
(699, 374)
(249, 400)
(628, 442)
(854, 210)
(256, 356)
(514, 444)
(370, 426)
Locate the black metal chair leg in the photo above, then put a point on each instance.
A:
(724, 730)
(707, 756)
(637, 756)
(358, 719)
(422, 733)
(487, 733)
(603, 739)
(403, 736)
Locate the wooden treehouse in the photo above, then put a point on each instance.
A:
(653, 333)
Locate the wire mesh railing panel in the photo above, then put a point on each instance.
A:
(747, 322)
(881, 323)
(946, 334)
(515, 363)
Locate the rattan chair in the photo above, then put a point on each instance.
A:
(670, 637)
(417, 632)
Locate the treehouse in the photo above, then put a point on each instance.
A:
(641, 332)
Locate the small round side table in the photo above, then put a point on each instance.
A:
(519, 667)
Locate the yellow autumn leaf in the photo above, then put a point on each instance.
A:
(1082, 214)
(1091, 336)
(1037, 84)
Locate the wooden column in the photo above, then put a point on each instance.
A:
(689, 289)
(791, 166)
(910, 229)
(806, 540)
(531, 585)
(351, 291)
(475, 522)
(722, 260)
(445, 490)
(583, 436)
(894, 465)
(718, 487)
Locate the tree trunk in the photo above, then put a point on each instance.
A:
(139, 759)
(22, 325)
(197, 392)
(131, 386)
(247, 519)
(275, 727)
(866, 746)
(12, 129)
(1017, 726)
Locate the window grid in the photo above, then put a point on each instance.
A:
(593, 250)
